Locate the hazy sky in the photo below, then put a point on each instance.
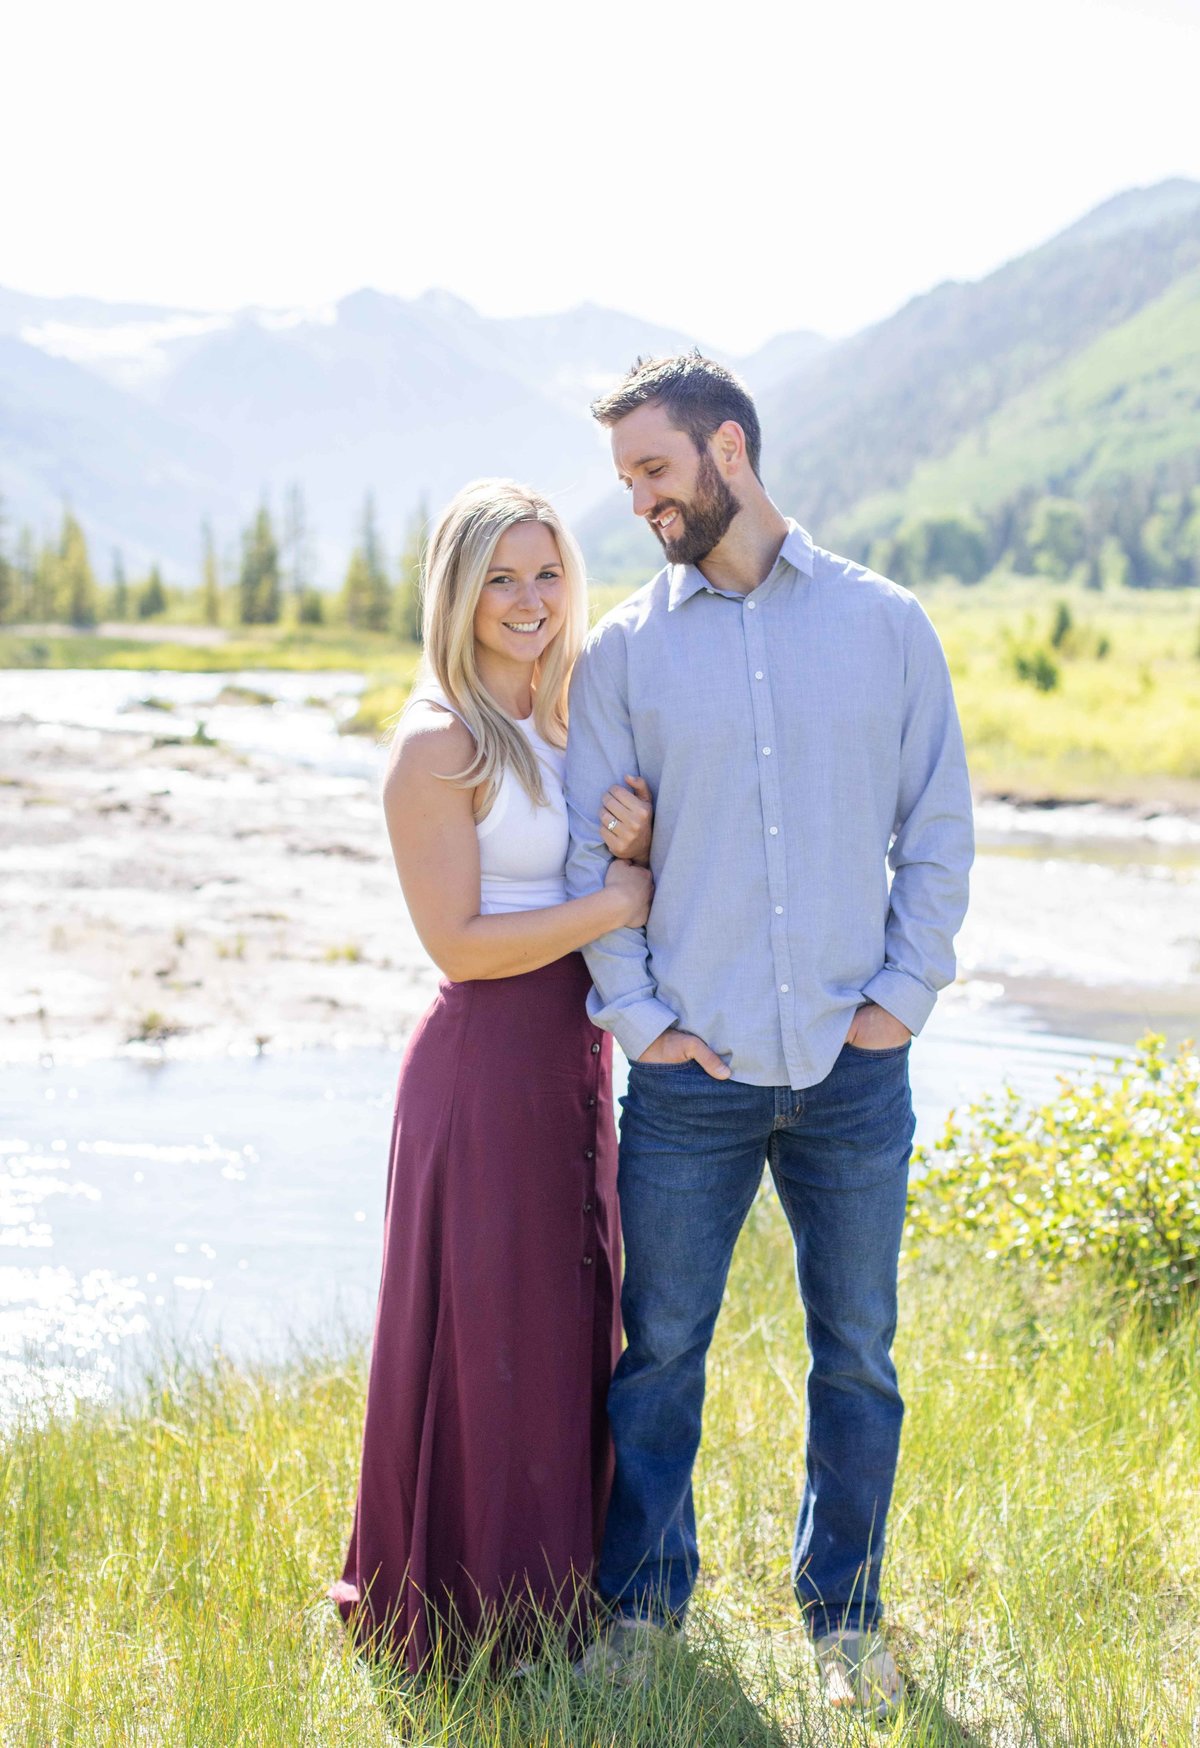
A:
(732, 169)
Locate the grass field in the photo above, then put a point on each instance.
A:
(164, 1563)
(1120, 722)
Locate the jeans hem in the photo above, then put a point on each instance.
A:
(820, 1619)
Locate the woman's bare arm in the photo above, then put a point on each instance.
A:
(432, 829)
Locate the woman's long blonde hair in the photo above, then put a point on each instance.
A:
(455, 570)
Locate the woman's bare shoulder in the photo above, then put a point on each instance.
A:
(429, 741)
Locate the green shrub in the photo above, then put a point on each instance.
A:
(1037, 667)
(1106, 1175)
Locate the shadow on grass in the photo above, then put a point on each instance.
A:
(686, 1702)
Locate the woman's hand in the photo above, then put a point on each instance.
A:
(626, 819)
(633, 888)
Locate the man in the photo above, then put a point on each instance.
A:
(793, 715)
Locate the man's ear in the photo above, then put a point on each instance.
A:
(729, 444)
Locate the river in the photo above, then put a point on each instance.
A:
(171, 1193)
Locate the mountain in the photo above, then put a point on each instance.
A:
(1070, 368)
(1076, 364)
(149, 419)
(997, 373)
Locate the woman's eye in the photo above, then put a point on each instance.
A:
(500, 582)
(547, 576)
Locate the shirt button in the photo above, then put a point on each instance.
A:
(778, 910)
(766, 752)
(591, 1104)
(758, 673)
(587, 1262)
(752, 605)
(774, 831)
(595, 1049)
(588, 1153)
(588, 1206)
(783, 989)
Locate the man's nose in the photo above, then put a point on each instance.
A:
(644, 498)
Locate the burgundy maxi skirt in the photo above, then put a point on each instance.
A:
(486, 1461)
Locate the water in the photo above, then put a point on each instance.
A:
(207, 1198)
(240, 1201)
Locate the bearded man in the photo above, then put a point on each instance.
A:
(793, 716)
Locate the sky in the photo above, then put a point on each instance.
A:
(732, 170)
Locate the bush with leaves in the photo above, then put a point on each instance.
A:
(1104, 1176)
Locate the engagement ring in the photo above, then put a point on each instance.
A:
(612, 825)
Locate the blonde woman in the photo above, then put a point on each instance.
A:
(486, 1462)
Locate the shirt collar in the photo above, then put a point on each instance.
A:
(686, 580)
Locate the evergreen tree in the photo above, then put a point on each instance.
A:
(379, 598)
(25, 568)
(77, 597)
(366, 597)
(406, 599)
(1056, 537)
(310, 608)
(296, 544)
(152, 597)
(43, 593)
(259, 582)
(210, 585)
(8, 578)
(1112, 564)
(356, 590)
(120, 588)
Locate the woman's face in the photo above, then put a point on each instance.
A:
(523, 602)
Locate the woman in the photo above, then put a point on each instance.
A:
(486, 1464)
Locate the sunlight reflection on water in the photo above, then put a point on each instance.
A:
(240, 1201)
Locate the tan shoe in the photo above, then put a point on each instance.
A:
(859, 1670)
(625, 1651)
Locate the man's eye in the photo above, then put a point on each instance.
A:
(653, 472)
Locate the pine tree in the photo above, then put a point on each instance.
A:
(210, 586)
(77, 597)
(379, 595)
(43, 592)
(120, 588)
(152, 597)
(366, 597)
(296, 545)
(8, 578)
(258, 583)
(25, 567)
(356, 591)
(406, 599)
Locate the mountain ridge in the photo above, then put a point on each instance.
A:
(186, 414)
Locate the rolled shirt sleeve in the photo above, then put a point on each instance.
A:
(600, 751)
(933, 840)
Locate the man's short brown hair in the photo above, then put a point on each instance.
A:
(697, 394)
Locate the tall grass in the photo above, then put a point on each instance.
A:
(163, 1562)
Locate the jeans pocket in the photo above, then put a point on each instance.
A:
(659, 1067)
(890, 1050)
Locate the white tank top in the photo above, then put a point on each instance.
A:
(522, 848)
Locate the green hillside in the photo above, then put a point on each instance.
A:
(1121, 408)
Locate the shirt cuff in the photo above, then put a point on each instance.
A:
(903, 997)
(637, 1026)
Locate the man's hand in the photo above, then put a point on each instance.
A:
(672, 1046)
(873, 1028)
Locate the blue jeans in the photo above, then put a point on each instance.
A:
(692, 1152)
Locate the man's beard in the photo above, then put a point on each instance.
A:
(706, 518)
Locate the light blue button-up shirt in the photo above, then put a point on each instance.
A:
(797, 741)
